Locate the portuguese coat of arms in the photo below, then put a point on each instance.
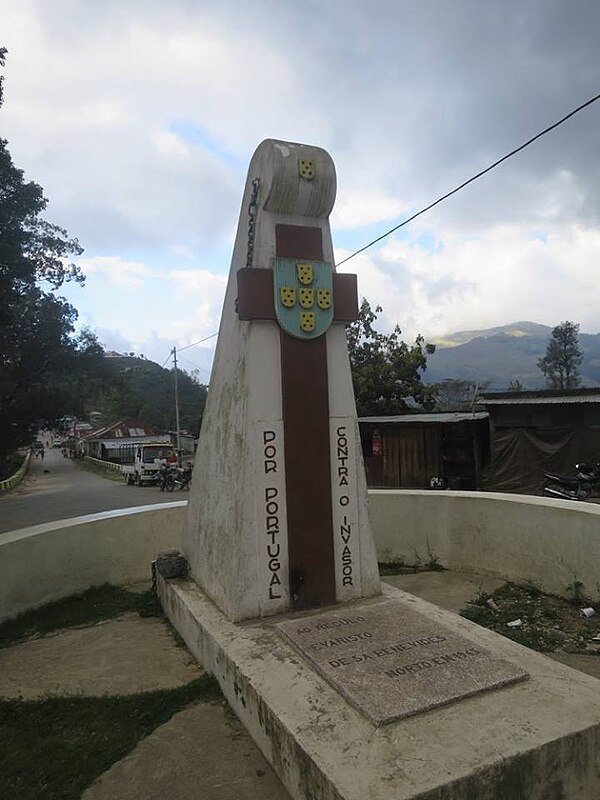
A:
(303, 296)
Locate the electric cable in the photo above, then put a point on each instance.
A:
(473, 178)
(193, 344)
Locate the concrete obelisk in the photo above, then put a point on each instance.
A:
(277, 518)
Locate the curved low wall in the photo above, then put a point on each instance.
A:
(11, 482)
(57, 559)
(515, 537)
(520, 538)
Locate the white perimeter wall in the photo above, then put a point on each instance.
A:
(57, 559)
(515, 537)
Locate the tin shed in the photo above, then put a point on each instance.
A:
(408, 451)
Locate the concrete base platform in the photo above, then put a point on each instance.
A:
(535, 740)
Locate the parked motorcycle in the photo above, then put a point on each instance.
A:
(163, 477)
(179, 478)
(580, 486)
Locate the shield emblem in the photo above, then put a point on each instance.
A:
(306, 168)
(305, 274)
(303, 296)
(324, 298)
(288, 296)
(307, 297)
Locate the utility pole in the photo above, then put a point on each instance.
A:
(174, 353)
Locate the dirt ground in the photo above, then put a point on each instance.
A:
(202, 751)
(455, 590)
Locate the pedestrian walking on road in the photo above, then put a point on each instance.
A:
(42, 453)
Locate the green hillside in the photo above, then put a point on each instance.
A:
(503, 354)
(139, 388)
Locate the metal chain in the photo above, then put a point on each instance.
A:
(252, 212)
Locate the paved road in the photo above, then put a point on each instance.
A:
(68, 490)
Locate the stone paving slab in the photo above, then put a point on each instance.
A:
(202, 752)
(122, 656)
(390, 661)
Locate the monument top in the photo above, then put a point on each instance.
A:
(294, 179)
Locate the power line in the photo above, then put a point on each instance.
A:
(474, 178)
(193, 344)
(206, 338)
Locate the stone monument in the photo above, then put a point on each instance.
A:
(277, 517)
(351, 689)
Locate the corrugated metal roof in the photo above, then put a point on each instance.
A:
(114, 444)
(455, 416)
(541, 400)
(127, 425)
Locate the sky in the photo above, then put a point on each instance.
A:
(139, 119)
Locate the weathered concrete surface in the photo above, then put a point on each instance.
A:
(497, 536)
(202, 752)
(582, 662)
(58, 559)
(536, 739)
(120, 656)
(239, 473)
(453, 590)
(514, 537)
(390, 661)
(449, 590)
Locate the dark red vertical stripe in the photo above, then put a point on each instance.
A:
(306, 436)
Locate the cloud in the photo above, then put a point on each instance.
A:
(116, 270)
(410, 101)
(182, 251)
(203, 293)
(506, 274)
(147, 309)
(113, 340)
(168, 143)
(356, 208)
(148, 113)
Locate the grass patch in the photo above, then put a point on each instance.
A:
(52, 749)
(550, 623)
(102, 472)
(398, 567)
(94, 605)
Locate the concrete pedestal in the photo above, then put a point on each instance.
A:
(534, 740)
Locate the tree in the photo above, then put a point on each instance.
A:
(561, 363)
(42, 362)
(385, 370)
(137, 387)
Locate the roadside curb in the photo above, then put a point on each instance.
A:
(108, 465)
(9, 483)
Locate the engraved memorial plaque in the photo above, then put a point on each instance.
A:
(391, 662)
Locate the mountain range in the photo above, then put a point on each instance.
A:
(497, 356)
